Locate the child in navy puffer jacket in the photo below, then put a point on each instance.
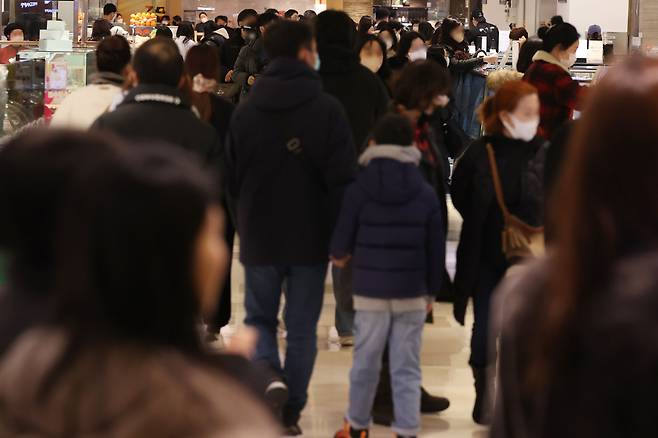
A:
(391, 225)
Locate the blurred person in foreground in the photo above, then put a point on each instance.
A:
(578, 330)
(127, 302)
(81, 108)
(36, 168)
(285, 182)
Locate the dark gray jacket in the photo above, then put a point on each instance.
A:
(609, 388)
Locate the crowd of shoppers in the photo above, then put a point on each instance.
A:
(342, 154)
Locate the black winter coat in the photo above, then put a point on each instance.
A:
(362, 93)
(521, 167)
(290, 155)
(161, 113)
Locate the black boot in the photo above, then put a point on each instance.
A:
(382, 409)
(430, 404)
(482, 408)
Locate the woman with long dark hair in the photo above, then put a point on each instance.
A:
(579, 329)
(185, 38)
(559, 93)
(389, 37)
(410, 48)
(468, 83)
(202, 65)
(363, 30)
(451, 35)
(138, 257)
(372, 53)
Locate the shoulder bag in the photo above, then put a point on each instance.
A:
(519, 239)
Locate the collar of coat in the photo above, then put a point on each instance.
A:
(151, 93)
(106, 77)
(543, 55)
(402, 154)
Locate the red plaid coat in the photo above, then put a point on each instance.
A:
(559, 94)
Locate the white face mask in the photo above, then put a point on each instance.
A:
(570, 61)
(373, 63)
(204, 19)
(418, 55)
(389, 43)
(441, 101)
(519, 130)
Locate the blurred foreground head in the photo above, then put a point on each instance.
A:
(605, 208)
(139, 249)
(36, 169)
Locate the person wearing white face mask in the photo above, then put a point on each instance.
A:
(510, 119)
(559, 94)
(390, 39)
(410, 49)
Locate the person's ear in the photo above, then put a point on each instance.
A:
(505, 117)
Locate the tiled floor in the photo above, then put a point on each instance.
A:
(444, 365)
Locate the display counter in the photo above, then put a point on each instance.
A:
(21, 95)
(35, 85)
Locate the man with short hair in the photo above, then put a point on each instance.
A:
(81, 108)
(253, 58)
(289, 156)
(156, 109)
(203, 19)
(238, 39)
(109, 12)
(481, 29)
(221, 20)
(16, 33)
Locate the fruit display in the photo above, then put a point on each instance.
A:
(143, 19)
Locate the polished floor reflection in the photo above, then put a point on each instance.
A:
(444, 365)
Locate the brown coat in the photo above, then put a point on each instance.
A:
(120, 391)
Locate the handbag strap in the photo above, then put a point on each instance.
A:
(498, 187)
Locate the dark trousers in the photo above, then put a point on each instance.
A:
(304, 293)
(344, 315)
(490, 276)
(223, 314)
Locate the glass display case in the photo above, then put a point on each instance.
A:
(64, 72)
(21, 95)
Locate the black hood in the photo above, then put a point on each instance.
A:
(287, 83)
(337, 59)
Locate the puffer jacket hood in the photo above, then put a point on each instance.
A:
(286, 84)
(391, 175)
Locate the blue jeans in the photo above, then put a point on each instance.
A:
(304, 294)
(403, 333)
(344, 315)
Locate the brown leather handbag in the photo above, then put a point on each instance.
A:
(519, 240)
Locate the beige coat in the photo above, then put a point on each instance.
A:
(120, 391)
